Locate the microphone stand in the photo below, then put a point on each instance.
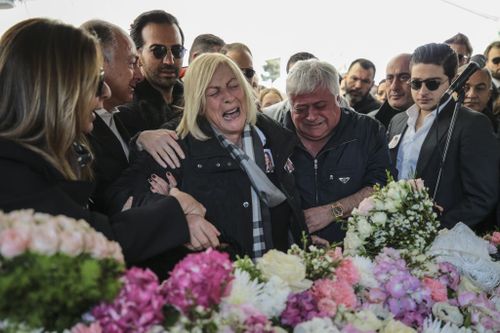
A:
(458, 104)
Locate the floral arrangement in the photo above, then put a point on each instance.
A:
(53, 269)
(399, 215)
(494, 242)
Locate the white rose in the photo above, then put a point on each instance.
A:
(379, 218)
(100, 248)
(364, 228)
(391, 206)
(44, 239)
(286, 266)
(72, 243)
(448, 313)
(395, 326)
(394, 194)
(352, 242)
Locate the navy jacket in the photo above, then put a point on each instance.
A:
(356, 156)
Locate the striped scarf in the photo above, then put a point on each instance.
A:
(262, 188)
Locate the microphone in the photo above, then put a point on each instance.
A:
(476, 63)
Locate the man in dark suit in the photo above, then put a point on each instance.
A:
(109, 138)
(468, 187)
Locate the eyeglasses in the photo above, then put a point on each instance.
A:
(431, 84)
(248, 72)
(496, 60)
(100, 85)
(160, 51)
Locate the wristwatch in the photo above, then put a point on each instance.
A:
(337, 210)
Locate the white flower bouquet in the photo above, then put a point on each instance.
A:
(399, 215)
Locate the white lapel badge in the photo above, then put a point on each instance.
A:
(344, 180)
(394, 141)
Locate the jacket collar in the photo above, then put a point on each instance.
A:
(145, 91)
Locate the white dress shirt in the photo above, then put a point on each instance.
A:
(409, 149)
(107, 117)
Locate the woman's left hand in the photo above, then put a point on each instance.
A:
(161, 186)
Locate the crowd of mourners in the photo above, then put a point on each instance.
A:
(108, 126)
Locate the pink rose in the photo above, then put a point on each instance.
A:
(438, 290)
(335, 254)
(14, 241)
(100, 248)
(81, 328)
(495, 238)
(366, 206)
(417, 184)
(44, 239)
(72, 243)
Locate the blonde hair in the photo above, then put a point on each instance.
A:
(267, 91)
(49, 73)
(196, 81)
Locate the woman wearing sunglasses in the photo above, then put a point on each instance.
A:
(236, 163)
(51, 81)
(467, 188)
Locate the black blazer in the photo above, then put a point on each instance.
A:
(29, 181)
(109, 160)
(469, 185)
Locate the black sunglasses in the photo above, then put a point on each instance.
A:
(100, 85)
(160, 51)
(431, 84)
(248, 72)
(496, 60)
(462, 57)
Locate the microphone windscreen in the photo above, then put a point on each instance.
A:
(479, 59)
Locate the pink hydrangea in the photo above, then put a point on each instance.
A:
(438, 290)
(339, 291)
(201, 279)
(347, 272)
(138, 306)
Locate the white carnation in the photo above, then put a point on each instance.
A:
(272, 299)
(243, 290)
(316, 325)
(365, 269)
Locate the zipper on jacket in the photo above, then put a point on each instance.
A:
(316, 180)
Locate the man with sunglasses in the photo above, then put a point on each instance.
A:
(397, 76)
(159, 98)
(242, 56)
(466, 190)
(492, 54)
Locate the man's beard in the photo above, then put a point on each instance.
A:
(164, 82)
